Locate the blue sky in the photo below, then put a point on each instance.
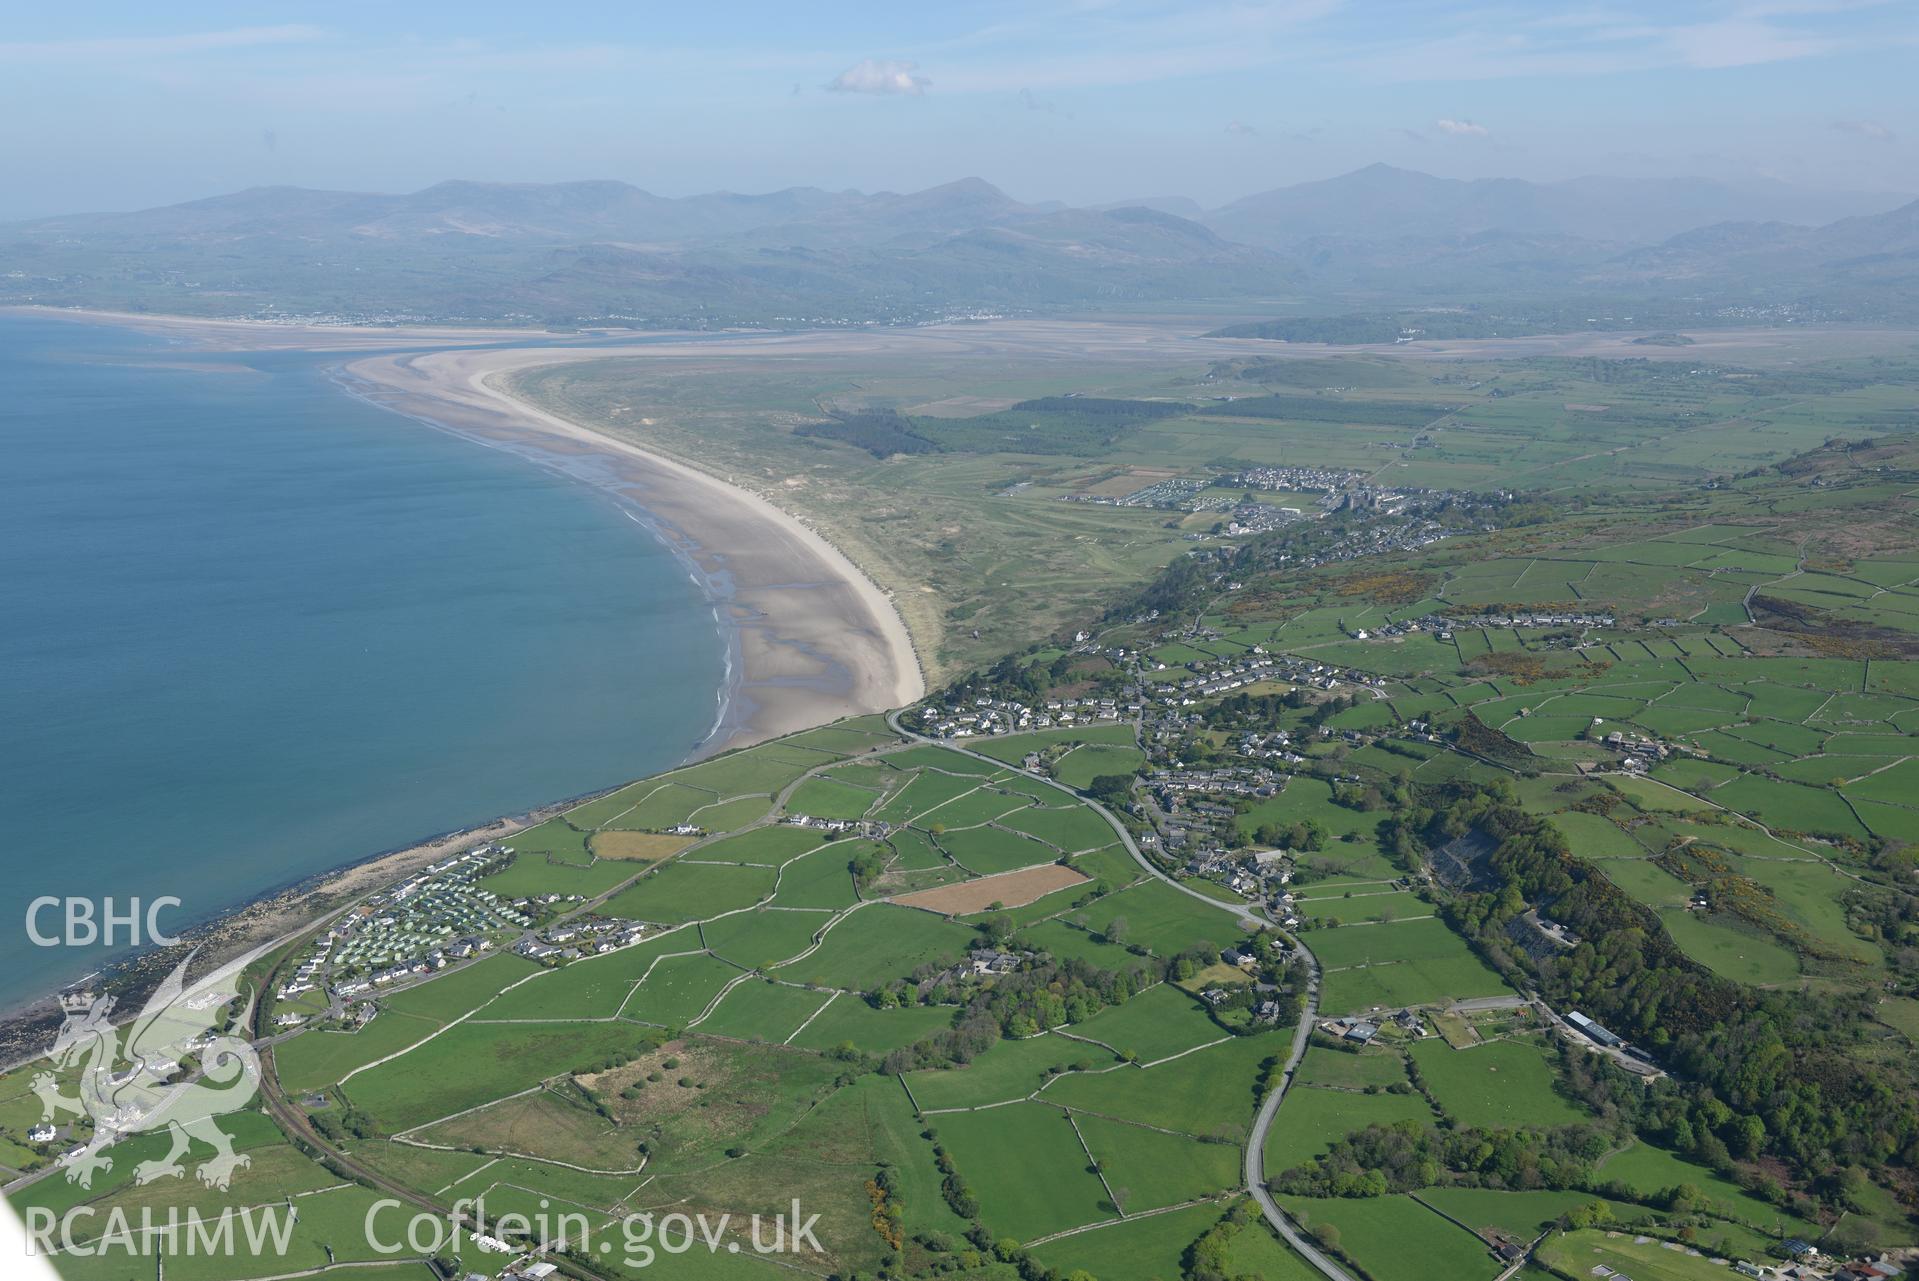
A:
(115, 106)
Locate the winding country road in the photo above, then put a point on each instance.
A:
(1256, 1143)
(1255, 1168)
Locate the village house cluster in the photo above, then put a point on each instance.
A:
(588, 936)
(1443, 627)
(1290, 479)
(988, 715)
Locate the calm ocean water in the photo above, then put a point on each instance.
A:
(255, 628)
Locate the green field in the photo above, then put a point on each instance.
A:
(678, 989)
(1149, 1249)
(1010, 1070)
(1649, 1170)
(1207, 1094)
(686, 891)
(1627, 1255)
(1411, 962)
(1162, 1021)
(1312, 1120)
(1499, 1083)
(1166, 921)
(1148, 1170)
(877, 943)
(1025, 1164)
(476, 1063)
(1397, 1239)
(762, 1011)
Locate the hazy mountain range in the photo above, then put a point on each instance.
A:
(587, 251)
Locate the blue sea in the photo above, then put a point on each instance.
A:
(255, 628)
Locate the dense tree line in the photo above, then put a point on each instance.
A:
(1045, 993)
(1758, 1073)
(1409, 1155)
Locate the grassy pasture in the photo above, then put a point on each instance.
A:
(447, 996)
(1026, 1166)
(542, 1125)
(1397, 1239)
(830, 798)
(685, 891)
(1064, 940)
(1730, 948)
(771, 846)
(593, 987)
(1257, 1251)
(667, 805)
(766, 768)
(869, 1121)
(1208, 1093)
(1009, 1070)
(1400, 984)
(678, 989)
(1143, 1249)
(531, 874)
(1522, 1214)
(1160, 1021)
(1079, 767)
(985, 851)
(921, 801)
(636, 847)
(761, 1011)
(334, 1217)
(849, 1020)
(761, 938)
(1068, 828)
(1498, 1084)
(472, 1064)
(820, 879)
(1373, 1066)
(693, 1098)
(1648, 1170)
(986, 803)
(317, 1058)
(1312, 1119)
(1166, 921)
(878, 943)
(1148, 1170)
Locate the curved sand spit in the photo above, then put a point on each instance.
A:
(817, 639)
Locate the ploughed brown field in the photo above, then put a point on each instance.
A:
(1008, 889)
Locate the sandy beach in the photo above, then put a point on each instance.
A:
(814, 638)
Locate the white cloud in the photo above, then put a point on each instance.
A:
(1242, 128)
(1869, 129)
(1461, 128)
(881, 76)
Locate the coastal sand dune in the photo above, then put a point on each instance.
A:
(815, 639)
